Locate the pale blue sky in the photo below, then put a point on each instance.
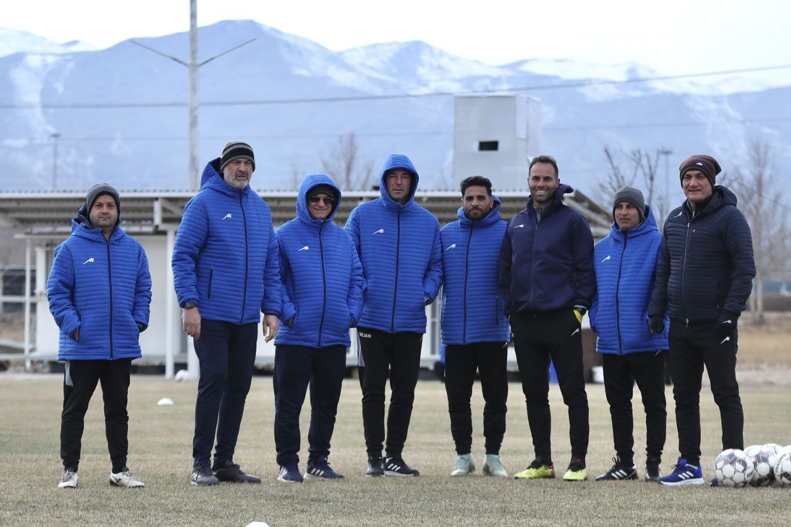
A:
(670, 36)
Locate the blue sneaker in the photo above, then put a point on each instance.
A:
(684, 474)
(290, 474)
(320, 469)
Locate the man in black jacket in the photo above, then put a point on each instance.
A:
(704, 278)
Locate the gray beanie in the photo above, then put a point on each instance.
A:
(100, 189)
(236, 150)
(630, 195)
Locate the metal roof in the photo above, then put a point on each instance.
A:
(41, 213)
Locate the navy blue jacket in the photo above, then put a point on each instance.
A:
(399, 248)
(706, 263)
(472, 307)
(322, 277)
(101, 287)
(548, 265)
(625, 266)
(225, 256)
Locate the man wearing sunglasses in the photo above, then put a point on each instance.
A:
(322, 298)
(226, 273)
(399, 247)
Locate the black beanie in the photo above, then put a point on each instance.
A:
(100, 189)
(630, 195)
(236, 150)
(706, 164)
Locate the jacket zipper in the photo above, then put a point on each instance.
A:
(618, 296)
(110, 278)
(246, 258)
(398, 256)
(466, 275)
(324, 282)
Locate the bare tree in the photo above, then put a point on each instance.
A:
(644, 164)
(345, 166)
(761, 202)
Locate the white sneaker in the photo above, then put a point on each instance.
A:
(125, 479)
(493, 467)
(464, 465)
(68, 480)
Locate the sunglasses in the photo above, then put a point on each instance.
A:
(317, 199)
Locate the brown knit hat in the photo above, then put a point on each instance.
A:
(706, 164)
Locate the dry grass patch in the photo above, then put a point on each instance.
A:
(160, 454)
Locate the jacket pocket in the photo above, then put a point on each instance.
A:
(211, 278)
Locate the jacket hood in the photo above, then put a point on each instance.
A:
(212, 178)
(397, 161)
(81, 226)
(648, 225)
(489, 219)
(312, 181)
(557, 198)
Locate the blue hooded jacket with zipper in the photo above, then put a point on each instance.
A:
(225, 257)
(472, 307)
(399, 248)
(322, 277)
(101, 287)
(625, 266)
(547, 266)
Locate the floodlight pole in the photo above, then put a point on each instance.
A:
(194, 104)
(54, 136)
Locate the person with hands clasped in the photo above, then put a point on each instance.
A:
(226, 273)
(625, 262)
(322, 298)
(704, 278)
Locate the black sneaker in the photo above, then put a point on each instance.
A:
(375, 468)
(619, 471)
(202, 476)
(652, 471)
(396, 466)
(321, 469)
(232, 473)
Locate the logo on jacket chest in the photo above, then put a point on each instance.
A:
(89, 260)
(305, 248)
(227, 216)
(380, 231)
(451, 246)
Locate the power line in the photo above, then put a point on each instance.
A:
(578, 84)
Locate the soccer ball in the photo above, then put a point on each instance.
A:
(733, 468)
(783, 468)
(763, 458)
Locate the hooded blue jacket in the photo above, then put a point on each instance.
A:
(472, 307)
(706, 263)
(322, 276)
(101, 287)
(225, 256)
(625, 266)
(548, 265)
(399, 248)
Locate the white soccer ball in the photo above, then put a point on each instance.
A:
(783, 468)
(763, 458)
(733, 468)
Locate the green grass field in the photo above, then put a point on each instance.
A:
(160, 454)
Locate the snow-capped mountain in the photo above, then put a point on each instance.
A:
(120, 114)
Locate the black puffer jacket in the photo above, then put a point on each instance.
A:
(706, 263)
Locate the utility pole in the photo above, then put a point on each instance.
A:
(192, 67)
(54, 136)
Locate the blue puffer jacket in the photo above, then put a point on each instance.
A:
(706, 263)
(472, 307)
(399, 248)
(625, 268)
(322, 276)
(101, 287)
(225, 256)
(549, 265)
